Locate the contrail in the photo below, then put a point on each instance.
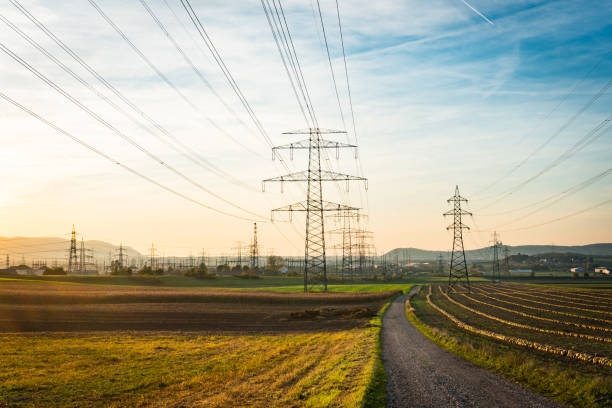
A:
(477, 12)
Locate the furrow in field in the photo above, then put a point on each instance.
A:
(526, 326)
(520, 341)
(512, 294)
(534, 317)
(541, 309)
(558, 298)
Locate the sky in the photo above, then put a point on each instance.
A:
(442, 97)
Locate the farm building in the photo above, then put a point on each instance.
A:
(577, 269)
(603, 270)
(520, 271)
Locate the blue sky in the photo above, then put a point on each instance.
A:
(441, 98)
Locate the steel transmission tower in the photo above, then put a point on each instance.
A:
(72, 253)
(315, 264)
(349, 219)
(153, 255)
(507, 260)
(440, 264)
(121, 256)
(254, 249)
(458, 265)
(496, 267)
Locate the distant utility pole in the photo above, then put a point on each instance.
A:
(203, 261)
(152, 252)
(72, 253)
(8, 261)
(315, 266)
(349, 220)
(121, 256)
(458, 265)
(440, 264)
(254, 249)
(507, 260)
(82, 256)
(495, 272)
(238, 249)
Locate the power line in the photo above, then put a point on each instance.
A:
(569, 193)
(203, 161)
(554, 109)
(116, 131)
(571, 120)
(186, 152)
(109, 158)
(280, 29)
(188, 60)
(350, 98)
(331, 68)
(565, 193)
(564, 217)
(165, 78)
(586, 140)
(219, 60)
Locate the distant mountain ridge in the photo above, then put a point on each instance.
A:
(49, 248)
(415, 254)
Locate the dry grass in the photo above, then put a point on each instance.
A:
(174, 370)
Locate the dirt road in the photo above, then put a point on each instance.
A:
(421, 374)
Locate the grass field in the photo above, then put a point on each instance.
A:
(142, 344)
(557, 342)
(125, 370)
(276, 283)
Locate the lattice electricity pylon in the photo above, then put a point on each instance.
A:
(315, 266)
(254, 249)
(346, 217)
(458, 265)
(72, 253)
(496, 271)
(365, 250)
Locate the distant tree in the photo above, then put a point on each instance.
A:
(275, 264)
(200, 272)
(145, 270)
(58, 270)
(223, 269)
(117, 270)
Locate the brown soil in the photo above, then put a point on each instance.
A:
(54, 308)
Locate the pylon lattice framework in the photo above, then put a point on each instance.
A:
(315, 264)
(458, 269)
(72, 253)
(496, 272)
(254, 249)
(348, 219)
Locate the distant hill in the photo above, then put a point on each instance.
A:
(482, 254)
(49, 248)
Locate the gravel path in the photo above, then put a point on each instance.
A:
(422, 374)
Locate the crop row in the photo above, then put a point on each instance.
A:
(534, 317)
(590, 295)
(574, 308)
(526, 326)
(563, 303)
(571, 297)
(540, 309)
(520, 341)
(597, 348)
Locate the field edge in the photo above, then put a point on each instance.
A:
(523, 370)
